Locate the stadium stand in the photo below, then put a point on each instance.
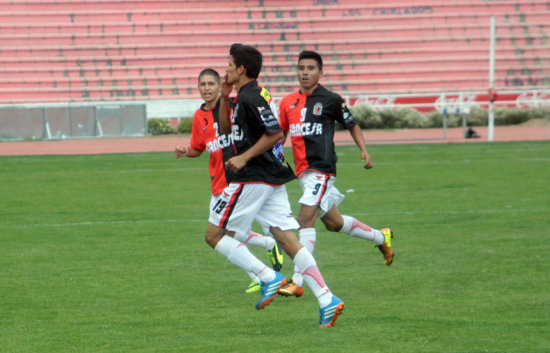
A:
(104, 50)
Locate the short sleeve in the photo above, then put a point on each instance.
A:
(264, 112)
(343, 114)
(283, 119)
(197, 131)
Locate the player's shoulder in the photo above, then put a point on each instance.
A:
(199, 113)
(249, 89)
(290, 98)
(203, 119)
(256, 96)
(201, 110)
(247, 94)
(325, 92)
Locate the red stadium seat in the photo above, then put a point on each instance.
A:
(86, 50)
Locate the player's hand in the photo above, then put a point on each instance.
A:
(367, 160)
(181, 151)
(226, 88)
(235, 163)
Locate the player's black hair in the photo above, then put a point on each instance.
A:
(310, 54)
(247, 56)
(210, 72)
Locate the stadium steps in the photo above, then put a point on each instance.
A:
(273, 70)
(30, 28)
(85, 42)
(143, 92)
(211, 57)
(170, 11)
(293, 46)
(452, 32)
(298, 22)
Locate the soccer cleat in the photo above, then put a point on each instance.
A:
(270, 289)
(291, 289)
(253, 287)
(386, 248)
(329, 313)
(276, 257)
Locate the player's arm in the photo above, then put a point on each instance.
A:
(224, 122)
(266, 142)
(357, 136)
(285, 136)
(283, 120)
(190, 152)
(347, 120)
(197, 140)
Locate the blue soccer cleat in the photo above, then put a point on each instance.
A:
(329, 313)
(270, 289)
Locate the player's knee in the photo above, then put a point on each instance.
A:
(305, 221)
(208, 241)
(332, 225)
(212, 239)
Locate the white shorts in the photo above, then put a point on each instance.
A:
(214, 200)
(319, 190)
(240, 204)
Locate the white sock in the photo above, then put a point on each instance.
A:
(357, 229)
(238, 254)
(256, 239)
(253, 277)
(308, 267)
(308, 237)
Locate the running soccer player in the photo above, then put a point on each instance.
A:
(205, 136)
(257, 188)
(309, 115)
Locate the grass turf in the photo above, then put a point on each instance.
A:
(105, 253)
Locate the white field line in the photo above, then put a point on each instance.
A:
(205, 220)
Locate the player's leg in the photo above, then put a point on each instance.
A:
(304, 261)
(256, 239)
(276, 212)
(238, 254)
(320, 195)
(335, 222)
(273, 254)
(330, 306)
(307, 237)
(254, 285)
(213, 236)
(236, 210)
(267, 243)
(306, 219)
(317, 193)
(241, 203)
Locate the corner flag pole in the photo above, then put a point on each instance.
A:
(491, 127)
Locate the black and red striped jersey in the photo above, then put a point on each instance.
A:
(205, 135)
(254, 115)
(310, 121)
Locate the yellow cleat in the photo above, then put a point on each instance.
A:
(386, 248)
(253, 287)
(276, 257)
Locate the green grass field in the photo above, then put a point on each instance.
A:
(106, 253)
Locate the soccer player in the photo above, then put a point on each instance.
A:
(309, 115)
(205, 136)
(257, 188)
